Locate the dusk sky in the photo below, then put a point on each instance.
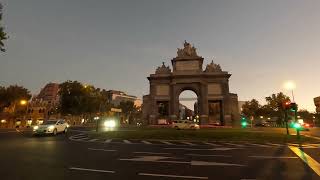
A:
(117, 44)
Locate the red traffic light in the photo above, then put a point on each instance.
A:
(287, 105)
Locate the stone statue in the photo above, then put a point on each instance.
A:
(212, 67)
(187, 51)
(163, 69)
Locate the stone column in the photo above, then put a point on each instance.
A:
(174, 103)
(203, 104)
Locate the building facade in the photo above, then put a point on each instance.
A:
(115, 97)
(317, 104)
(211, 85)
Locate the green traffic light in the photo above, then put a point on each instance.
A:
(244, 124)
(297, 125)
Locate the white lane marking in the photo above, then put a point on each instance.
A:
(146, 142)
(93, 170)
(232, 144)
(166, 142)
(212, 149)
(204, 163)
(108, 141)
(92, 140)
(274, 157)
(146, 158)
(208, 155)
(107, 150)
(314, 137)
(82, 139)
(211, 144)
(188, 143)
(151, 153)
(172, 176)
(127, 142)
(160, 159)
(259, 145)
(272, 144)
(313, 164)
(18, 130)
(78, 135)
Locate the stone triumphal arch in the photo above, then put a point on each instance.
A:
(214, 101)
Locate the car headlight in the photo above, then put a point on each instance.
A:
(35, 127)
(51, 127)
(68, 125)
(110, 124)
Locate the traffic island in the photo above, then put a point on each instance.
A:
(231, 135)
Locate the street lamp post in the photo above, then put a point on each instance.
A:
(290, 85)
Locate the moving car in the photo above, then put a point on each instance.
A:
(51, 127)
(185, 124)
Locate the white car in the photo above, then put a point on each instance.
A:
(185, 124)
(51, 127)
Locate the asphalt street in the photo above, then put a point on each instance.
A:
(72, 156)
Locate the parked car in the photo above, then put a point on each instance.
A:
(51, 127)
(184, 124)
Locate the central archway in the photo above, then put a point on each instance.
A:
(188, 106)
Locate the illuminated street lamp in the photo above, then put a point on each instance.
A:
(23, 102)
(290, 86)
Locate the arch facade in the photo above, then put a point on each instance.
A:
(211, 86)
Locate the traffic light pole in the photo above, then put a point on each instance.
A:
(296, 121)
(286, 120)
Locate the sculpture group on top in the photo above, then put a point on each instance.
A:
(187, 51)
(212, 67)
(163, 69)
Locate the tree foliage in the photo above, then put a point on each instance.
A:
(275, 104)
(3, 35)
(129, 110)
(12, 94)
(272, 108)
(251, 108)
(77, 99)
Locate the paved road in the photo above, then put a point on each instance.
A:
(25, 157)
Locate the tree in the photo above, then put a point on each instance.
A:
(275, 103)
(11, 95)
(128, 108)
(305, 115)
(72, 95)
(77, 99)
(251, 108)
(3, 35)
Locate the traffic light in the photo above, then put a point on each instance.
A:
(287, 105)
(297, 125)
(293, 107)
(244, 122)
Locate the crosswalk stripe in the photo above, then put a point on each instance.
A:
(92, 140)
(211, 144)
(127, 142)
(146, 142)
(237, 145)
(166, 142)
(81, 139)
(108, 141)
(188, 143)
